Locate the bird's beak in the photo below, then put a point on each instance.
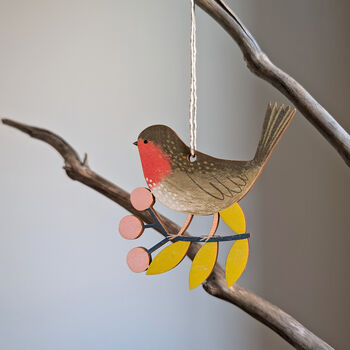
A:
(135, 143)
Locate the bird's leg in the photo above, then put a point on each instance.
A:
(183, 228)
(214, 227)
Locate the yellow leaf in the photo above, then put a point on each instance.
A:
(233, 216)
(236, 261)
(168, 258)
(238, 256)
(203, 264)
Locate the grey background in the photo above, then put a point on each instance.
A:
(97, 73)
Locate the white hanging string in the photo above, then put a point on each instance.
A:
(193, 86)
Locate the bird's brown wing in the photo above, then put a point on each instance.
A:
(220, 184)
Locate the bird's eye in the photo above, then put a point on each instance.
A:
(145, 141)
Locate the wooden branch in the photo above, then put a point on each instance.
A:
(270, 315)
(259, 63)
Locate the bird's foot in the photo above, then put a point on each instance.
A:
(213, 228)
(171, 237)
(205, 239)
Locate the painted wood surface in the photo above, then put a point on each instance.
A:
(138, 259)
(236, 261)
(131, 227)
(237, 258)
(207, 185)
(168, 258)
(141, 198)
(203, 264)
(234, 218)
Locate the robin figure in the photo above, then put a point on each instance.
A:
(204, 185)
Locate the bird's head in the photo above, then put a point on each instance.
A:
(158, 146)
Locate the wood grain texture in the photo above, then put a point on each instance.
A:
(259, 63)
(273, 317)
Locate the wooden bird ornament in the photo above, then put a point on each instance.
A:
(204, 186)
(207, 185)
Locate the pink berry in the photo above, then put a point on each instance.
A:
(130, 227)
(141, 198)
(138, 259)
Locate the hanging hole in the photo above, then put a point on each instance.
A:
(192, 158)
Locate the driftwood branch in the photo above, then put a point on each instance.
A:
(259, 63)
(270, 315)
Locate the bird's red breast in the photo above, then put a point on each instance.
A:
(155, 163)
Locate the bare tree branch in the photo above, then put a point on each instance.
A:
(259, 63)
(270, 315)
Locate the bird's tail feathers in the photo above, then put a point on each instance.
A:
(275, 123)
